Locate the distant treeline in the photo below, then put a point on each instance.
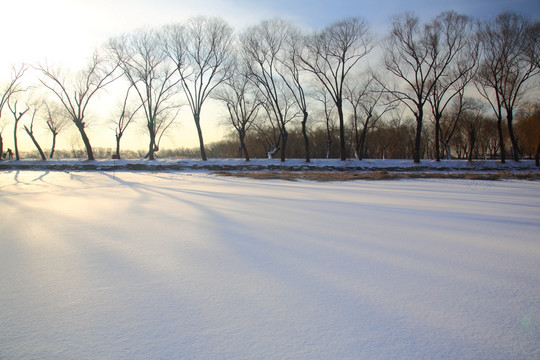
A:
(387, 141)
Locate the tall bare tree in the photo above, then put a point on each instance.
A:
(76, 91)
(408, 59)
(505, 68)
(144, 63)
(11, 87)
(262, 48)
(202, 51)
(331, 55)
(290, 70)
(453, 49)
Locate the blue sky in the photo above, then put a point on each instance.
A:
(69, 29)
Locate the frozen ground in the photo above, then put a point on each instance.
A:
(180, 265)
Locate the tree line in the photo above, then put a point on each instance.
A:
(452, 86)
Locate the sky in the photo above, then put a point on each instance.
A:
(66, 32)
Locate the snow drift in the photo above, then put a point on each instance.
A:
(179, 265)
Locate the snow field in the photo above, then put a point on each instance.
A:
(102, 265)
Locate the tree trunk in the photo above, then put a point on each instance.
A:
(152, 145)
(447, 149)
(501, 140)
(243, 147)
(417, 139)
(472, 141)
(362, 142)
(53, 145)
(515, 148)
(31, 134)
(342, 154)
(197, 119)
(118, 137)
(2, 148)
(80, 125)
(437, 137)
(284, 139)
(356, 136)
(306, 139)
(15, 139)
(536, 157)
(328, 139)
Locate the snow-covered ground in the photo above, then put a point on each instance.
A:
(269, 164)
(186, 265)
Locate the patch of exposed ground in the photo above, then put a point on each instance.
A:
(377, 175)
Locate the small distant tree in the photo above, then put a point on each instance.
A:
(328, 111)
(242, 102)
(331, 55)
(125, 117)
(369, 103)
(450, 121)
(201, 51)
(472, 119)
(57, 119)
(76, 91)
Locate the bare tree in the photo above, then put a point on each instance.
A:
(12, 87)
(453, 50)
(407, 57)
(505, 68)
(472, 117)
(262, 48)
(450, 121)
(269, 132)
(369, 104)
(57, 119)
(76, 92)
(17, 117)
(144, 63)
(291, 73)
(243, 104)
(35, 107)
(331, 55)
(202, 52)
(328, 107)
(125, 117)
(534, 58)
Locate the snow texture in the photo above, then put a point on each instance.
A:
(186, 265)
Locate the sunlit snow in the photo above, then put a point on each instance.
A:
(179, 265)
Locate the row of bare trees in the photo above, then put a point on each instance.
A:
(272, 76)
